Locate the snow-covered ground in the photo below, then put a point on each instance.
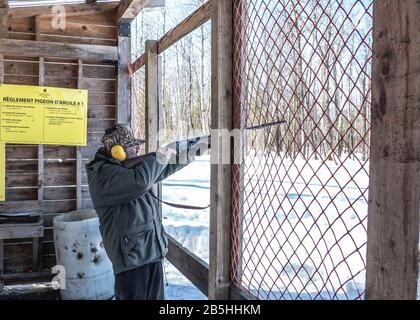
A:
(304, 230)
(189, 186)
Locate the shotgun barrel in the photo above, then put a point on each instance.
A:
(266, 125)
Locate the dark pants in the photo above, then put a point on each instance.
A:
(143, 283)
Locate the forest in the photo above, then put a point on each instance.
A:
(306, 62)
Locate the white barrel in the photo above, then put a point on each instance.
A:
(79, 249)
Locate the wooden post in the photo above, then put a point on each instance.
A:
(221, 117)
(124, 79)
(3, 23)
(79, 149)
(393, 220)
(1, 69)
(152, 95)
(41, 82)
(37, 243)
(1, 265)
(153, 102)
(3, 34)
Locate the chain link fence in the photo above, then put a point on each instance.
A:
(300, 194)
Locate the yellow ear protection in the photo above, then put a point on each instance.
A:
(118, 152)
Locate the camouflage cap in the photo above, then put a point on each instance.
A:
(120, 134)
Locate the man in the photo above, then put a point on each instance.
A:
(128, 210)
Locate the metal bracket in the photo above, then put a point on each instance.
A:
(124, 29)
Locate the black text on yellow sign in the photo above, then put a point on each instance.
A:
(43, 115)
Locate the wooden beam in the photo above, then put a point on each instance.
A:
(129, 9)
(221, 118)
(27, 206)
(394, 195)
(152, 103)
(138, 63)
(192, 22)
(41, 82)
(45, 292)
(28, 277)
(58, 50)
(71, 9)
(153, 108)
(79, 149)
(4, 3)
(1, 265)
(3, 23)
(21, 231)
(124, 79)
(3, 35)
(192, 267)
(1, 69)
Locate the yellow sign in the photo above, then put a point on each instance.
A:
(2, 172)
(43, 115)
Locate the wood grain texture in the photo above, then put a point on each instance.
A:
(129, 9)
(191, 266)
(52, 49)
(221, 118)
(152, 96)
(124, 81)
(80, 30)
(3, 24)
(394, 196)
(70, 10)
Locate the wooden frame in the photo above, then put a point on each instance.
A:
(189, 24)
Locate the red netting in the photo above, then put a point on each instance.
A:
(300, 193)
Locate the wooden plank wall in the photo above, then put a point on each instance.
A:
(59, 179)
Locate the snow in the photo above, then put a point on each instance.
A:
(189, 227)
(304, 230)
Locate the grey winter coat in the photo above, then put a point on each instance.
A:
(130, 224)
